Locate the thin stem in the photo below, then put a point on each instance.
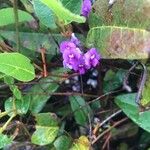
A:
(143, 80)
(15, 3)
(106, 131)
(6, 124)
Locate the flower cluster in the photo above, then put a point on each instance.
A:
(73, 57)
(86, 8)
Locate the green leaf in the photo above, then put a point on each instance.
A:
(62, 143)
(22, 105)
(41, 92)
(46, 119)
(45, 15)
(145, 100)
(129, 13)
(62, 12)
(46, 129)
(44, 135)
(81, 144)
(119, 42)
(4, 140)
(80, 114)
(127, 103)
(113, 80)
(17, 66)
(7, 16)
(73, 5)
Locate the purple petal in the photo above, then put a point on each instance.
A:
(66, 45)
(86, 8)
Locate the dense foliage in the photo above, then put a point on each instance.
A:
(74, 74)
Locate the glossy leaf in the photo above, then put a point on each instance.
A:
(44, 135)
(127, 103)
(7, 16)
(120, 42)
(17, 66)
(81, 144)
(127, 13)
(46, 129)
(41, 92)
(4, 140)
(44, 14)
(22, 105)
(80, 113)
(62, 143)
(63, 13)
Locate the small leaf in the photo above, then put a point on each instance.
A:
(46, 129)
(120, 42)
(44, 135)
(62, 143)
(45, 15)
(81, 144)
(46, 119)
(7, 16)
(4, 140)
(16, 65)
(113, 80)
(80, 113)
(62, 12)
(22, 105)
(127, 103)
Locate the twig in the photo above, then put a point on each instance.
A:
(106, 142)
(143, 80)
(110, 117)
(106, 131)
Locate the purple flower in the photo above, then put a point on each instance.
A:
(71, 57)
(81, 67)
(91, 58)
(67, 45)
(86, 8)
(75, 40)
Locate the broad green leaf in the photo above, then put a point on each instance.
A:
(81, 144)
(31, 43)
(17, 66)
(44, 135)
(129, 13)
(46, 129)
(127, 103)
(41, 92)
(7, 16)
(63, 13)
(120, 42)
(4, 140)
(45, 15)
(73, 5)
(80, 113)
(22, 105)
(62, 143)
(113, 80)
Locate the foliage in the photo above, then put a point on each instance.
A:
(85, 104)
